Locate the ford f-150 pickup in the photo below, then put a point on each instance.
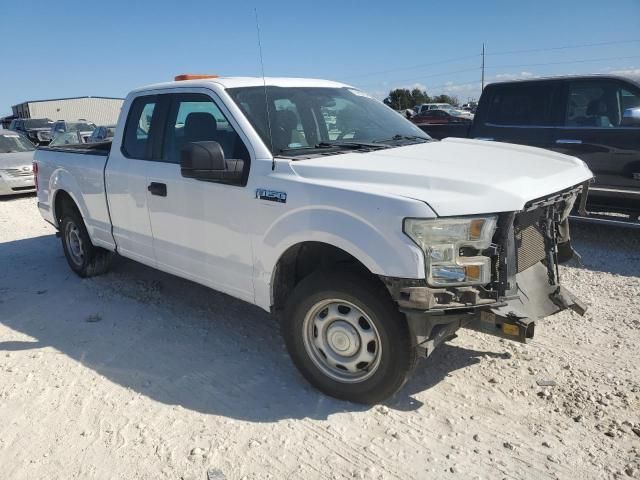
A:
(371, 242)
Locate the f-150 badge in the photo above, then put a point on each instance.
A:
(271, 195)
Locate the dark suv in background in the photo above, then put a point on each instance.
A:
(594, 117)
(38, 130)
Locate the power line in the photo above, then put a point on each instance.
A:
(475, 69)
(564, 47)
(431, 75)
(466, 57)
(423, 65)
(586, 60)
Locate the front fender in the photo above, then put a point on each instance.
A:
(380, 246)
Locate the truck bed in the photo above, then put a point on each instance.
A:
(77, 170)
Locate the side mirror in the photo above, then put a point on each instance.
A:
(205, 161)
(631, 117)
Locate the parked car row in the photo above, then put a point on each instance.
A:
(594, 117)
(18, 144)
(44, 131)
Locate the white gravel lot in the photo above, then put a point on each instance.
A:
(141, 375)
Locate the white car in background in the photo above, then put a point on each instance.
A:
(16, 163)
(446, 107)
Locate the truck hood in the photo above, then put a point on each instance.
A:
(454, 176)
(16, 160)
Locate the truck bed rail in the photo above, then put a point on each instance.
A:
(100, 148)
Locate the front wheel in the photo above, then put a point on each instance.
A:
(347, 338)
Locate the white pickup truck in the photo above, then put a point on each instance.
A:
(370, 241)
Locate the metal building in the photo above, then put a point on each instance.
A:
(99, 110)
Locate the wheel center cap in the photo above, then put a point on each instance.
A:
(343, 338)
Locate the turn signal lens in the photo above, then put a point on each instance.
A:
(475, 229)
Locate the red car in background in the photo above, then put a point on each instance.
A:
(431, 117)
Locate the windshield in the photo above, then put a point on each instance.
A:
(311, 118)
(37, 123)
(12, 142)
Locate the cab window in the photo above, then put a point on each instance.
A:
(196, 118)
(600, 104)
(138, 130)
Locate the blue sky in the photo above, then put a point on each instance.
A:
(64, 48)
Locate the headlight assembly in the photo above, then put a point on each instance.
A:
(453, 248)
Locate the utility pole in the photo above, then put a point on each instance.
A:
(482, 65)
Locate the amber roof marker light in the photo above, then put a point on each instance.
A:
(193, 76)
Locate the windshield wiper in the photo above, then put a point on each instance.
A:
(336, 144)
(398, 137)
(350, 144)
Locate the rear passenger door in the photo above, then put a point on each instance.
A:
(596, 130)
(519, 112)
(201, 229)
(126, 178)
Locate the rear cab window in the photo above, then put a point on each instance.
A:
(522, 105)
(143, 115)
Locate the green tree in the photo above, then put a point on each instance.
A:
(402, 98)
(419, 96)
(399, 99)
(450, 99)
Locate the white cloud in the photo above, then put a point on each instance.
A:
(513, 76)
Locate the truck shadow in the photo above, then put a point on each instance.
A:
(172, 340)
(607, 249)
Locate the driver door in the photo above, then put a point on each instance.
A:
(200, 228)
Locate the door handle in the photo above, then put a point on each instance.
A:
(568, 141)
(159, 189)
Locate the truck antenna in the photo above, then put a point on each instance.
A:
(266, 100)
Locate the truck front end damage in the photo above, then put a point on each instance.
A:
(525, 252)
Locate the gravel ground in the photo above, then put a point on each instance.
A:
(141, 375)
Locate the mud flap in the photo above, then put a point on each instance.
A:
(536, 299)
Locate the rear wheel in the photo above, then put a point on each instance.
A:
(347, 338)
(83, 257)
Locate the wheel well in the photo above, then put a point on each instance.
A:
(62, 200)
(305, 258)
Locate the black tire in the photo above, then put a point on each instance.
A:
(91, 260)
(398, 351)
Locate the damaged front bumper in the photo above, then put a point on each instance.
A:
(526, 286)
(513, 318)
(516, 317)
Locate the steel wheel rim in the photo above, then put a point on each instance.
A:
(342, 341)
(74, 243)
